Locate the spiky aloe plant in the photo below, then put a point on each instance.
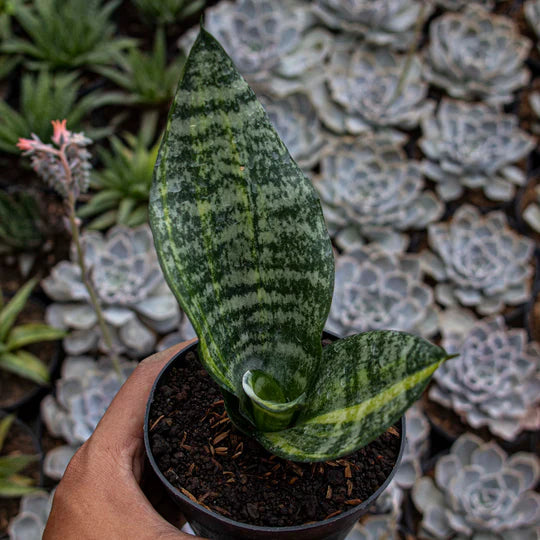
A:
(243, 245)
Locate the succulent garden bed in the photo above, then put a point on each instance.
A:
(417, 124)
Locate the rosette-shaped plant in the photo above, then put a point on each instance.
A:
(477, 55)
(83, 394)
(298, 126)
(272, 42)
(125, 274)
(376, 289)
(369, 88)
(371, 190)
(243, 245)
(479, 261)
(472, 145)
(30, 522)
(495, 381)
(480, 492)
(388, 22)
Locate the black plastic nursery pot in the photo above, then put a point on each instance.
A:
(209, 524)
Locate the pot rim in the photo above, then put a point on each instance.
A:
(247, 526)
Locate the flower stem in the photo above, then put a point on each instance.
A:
(75, 235)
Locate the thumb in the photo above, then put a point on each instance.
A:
(122, 425)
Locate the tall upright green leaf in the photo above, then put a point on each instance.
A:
(240, 232)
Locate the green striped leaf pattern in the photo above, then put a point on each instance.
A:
(239, 231)
(243, 245)
(365, 385)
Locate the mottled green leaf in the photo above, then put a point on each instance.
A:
(25, 334)
(365, 385)
(239, 232)
(13, 308)
(26, 365)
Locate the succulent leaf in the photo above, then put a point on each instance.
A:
(224, 169)
(33, 513)
(366, 384)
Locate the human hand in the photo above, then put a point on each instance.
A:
(99, 496)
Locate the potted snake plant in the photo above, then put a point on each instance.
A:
(275, 431)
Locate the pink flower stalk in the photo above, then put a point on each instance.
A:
(65, 166)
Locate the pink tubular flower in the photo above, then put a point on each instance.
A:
(61, 133)
(25, 144)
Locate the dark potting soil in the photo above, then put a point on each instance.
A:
(12, 387)
(18, 441)
(208, 460)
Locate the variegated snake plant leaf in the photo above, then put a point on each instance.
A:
(243, 245)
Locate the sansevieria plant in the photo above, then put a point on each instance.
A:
(243, 245)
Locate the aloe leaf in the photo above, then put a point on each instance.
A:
(25, 334)
(239, 231)
(11, 465)
(13, 308)
(100, 202)
(125, 208)
(104, 221)
(5, 426)
(365, 385)
(25, 365)
(138, 216)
